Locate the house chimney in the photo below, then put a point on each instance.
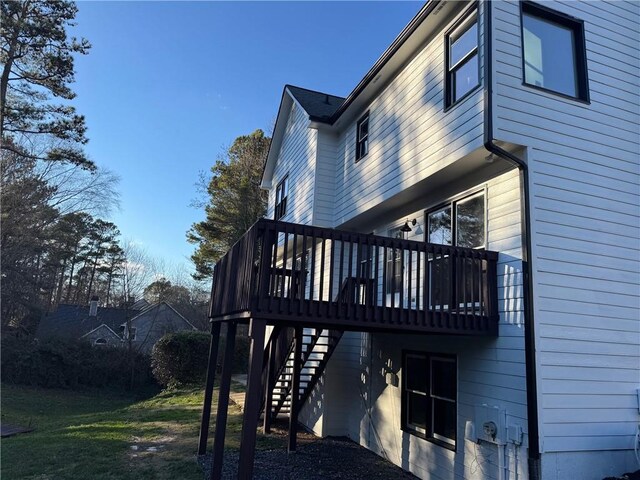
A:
(93, 306)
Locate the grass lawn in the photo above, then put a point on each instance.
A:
(100, 435)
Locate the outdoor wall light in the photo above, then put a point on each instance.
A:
(406, 228)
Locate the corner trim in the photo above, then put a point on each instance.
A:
(533, 430)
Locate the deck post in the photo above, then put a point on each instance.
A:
(253, 395)
(268, 389)
(208, 389)
(295, 390)
(223, 403)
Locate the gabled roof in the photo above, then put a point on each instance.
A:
(73, 321)
(146, 313)
(106, 328)
(316, 104)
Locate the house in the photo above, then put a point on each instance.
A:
(152, 324)
(449, 271)
(107, 326)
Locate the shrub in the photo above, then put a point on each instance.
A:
(58, 363)
(182, 358)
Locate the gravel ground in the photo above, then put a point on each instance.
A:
(315, 459)
(626, 476)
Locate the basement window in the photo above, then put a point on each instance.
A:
(553, 52)
(462, 66)
(282, 190)
(429, 397)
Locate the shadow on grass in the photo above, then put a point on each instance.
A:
(101, 436)
(108, 436)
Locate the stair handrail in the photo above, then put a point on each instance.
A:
(283, 344)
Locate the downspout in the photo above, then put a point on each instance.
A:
(529, 324)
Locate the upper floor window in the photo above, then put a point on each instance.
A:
(463, 70)
(460, 223)
(553, 51)
(282, 191)
(362, 137)
(429, 396)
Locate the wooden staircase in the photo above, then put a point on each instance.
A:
(317, 347)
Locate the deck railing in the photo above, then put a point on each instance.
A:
(282, 270)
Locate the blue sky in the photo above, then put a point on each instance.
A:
(167, 85)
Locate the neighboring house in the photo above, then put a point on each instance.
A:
(151, 324)
(99, 325)
(106, 326)
(457, 245)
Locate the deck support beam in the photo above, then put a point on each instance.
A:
(208, 389)
(268, 389)
(253, 396)
(295, 391)
(223, 403)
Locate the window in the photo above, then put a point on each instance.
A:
(281, 198)
(362, 137)
(100, 341)
(429, 396)
(553, 52)
(464, 228)
(459, 223)
(132, 333)
(463, 69)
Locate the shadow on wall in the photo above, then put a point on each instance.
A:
(510, 290)
(314, 411)
(405, 148)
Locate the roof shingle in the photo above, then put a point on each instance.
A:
(316, 104)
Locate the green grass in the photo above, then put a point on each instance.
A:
(91, 434)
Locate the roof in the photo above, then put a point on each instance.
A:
(316, 104)
(144, 314)
(73, 321)
(103, 327)
(140, 305)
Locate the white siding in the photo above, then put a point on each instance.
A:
(297, 158)
(491, 370)
(325, 175)
(585, 172)
(411, 137)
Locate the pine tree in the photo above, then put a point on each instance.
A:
(38, 64)
(235, 201)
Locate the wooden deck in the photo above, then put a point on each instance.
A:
(300, 275)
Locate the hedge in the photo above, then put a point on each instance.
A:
(58, 363)
(181, 358)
